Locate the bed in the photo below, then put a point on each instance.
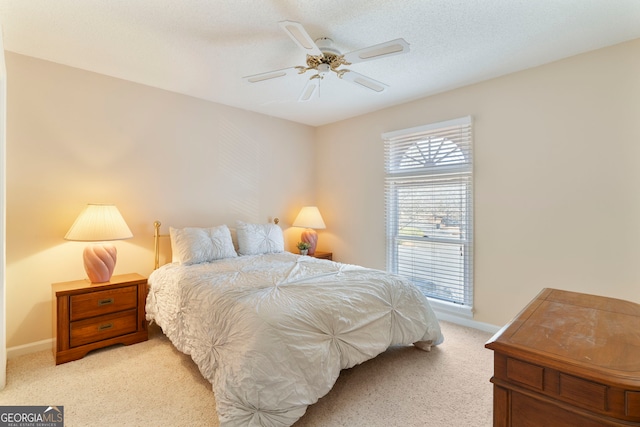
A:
(272, 330)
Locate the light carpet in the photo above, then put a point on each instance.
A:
(152, 384)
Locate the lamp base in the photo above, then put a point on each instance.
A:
(99, 262)
(311, 237)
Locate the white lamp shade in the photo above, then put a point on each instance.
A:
(309, 217)
(98, 223)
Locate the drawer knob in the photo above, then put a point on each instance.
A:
(105, 301)
(105, 326)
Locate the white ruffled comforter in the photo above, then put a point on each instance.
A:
(272, 332)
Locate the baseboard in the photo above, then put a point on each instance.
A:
(33, 347)
(464, 321)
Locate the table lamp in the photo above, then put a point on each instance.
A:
(310, 219)
(99, 223)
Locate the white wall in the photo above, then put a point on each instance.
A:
(76, 137)
(557, 174)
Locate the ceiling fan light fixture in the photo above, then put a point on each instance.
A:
(323, 57)
(323, 69)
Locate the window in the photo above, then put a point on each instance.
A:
(429, 208)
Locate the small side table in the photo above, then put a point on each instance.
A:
(88, 316)
(323, 255)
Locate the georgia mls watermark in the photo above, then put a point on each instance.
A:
(31, 416)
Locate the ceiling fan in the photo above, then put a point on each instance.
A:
(323, 58)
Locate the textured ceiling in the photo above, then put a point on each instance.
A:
(203, 48)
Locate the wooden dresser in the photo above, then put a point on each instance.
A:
(89, 316)
(568, 359)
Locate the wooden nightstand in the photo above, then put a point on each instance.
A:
(89, 316)
(323, 255)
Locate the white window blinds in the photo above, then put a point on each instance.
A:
(429, 208)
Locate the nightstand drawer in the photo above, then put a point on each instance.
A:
(103, 302)
(103, 327)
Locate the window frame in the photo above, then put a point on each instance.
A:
(424, 178)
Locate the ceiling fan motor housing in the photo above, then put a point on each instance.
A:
(325, 44)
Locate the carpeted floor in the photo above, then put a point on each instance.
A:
(152, 384)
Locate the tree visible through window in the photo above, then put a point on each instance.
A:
(429, 208)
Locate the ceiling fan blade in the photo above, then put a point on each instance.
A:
(310, 89)
(382, 50)
(299, 35)
(256, 78)
(364, 81)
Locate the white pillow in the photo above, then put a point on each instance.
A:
(192, 245)
(255, 239)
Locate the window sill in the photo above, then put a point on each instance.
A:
(460, 315)
(451, 309)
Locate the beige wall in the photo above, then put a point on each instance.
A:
(556, 191)
(3, 157)
(557, 179)
(75, 137)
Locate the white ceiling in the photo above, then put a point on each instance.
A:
(202, 48)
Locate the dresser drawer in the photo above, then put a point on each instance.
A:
(632, 404)
(102, 302)
(525, 373)
(583, 392)
(103, 327)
